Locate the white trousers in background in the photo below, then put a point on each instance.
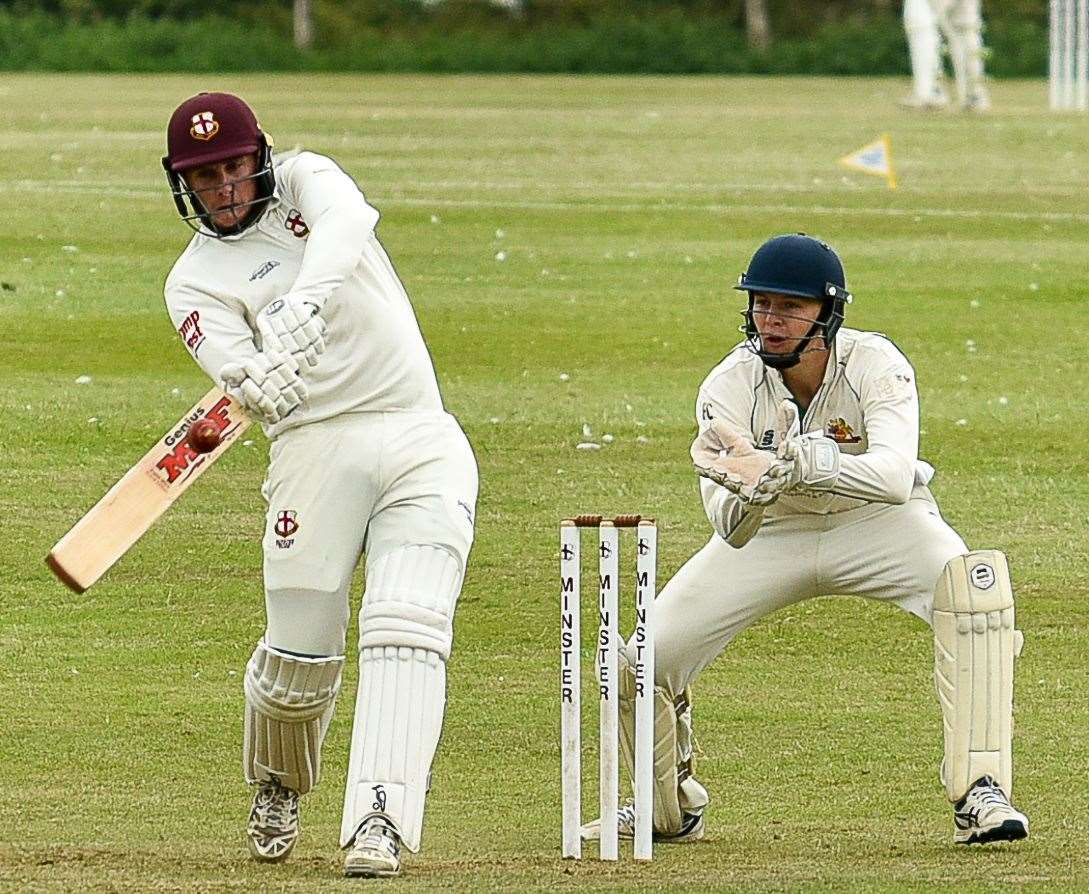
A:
(924, 47)
(961, 22)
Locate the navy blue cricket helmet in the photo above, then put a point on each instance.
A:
(800, 265)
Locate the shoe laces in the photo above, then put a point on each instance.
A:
(275, 807)
(986, 794)
(379, 836)
(991, 795)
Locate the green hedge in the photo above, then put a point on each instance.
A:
(666, 41)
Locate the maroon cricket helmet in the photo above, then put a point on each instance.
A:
(209, 128)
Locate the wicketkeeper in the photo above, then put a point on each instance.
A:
(810, 475)
(286, 297)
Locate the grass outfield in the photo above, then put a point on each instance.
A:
(625, 208)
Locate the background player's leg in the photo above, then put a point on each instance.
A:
(966, 21)
(924, 46)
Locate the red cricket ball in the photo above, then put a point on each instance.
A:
(204, 436)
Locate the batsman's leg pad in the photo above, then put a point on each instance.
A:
(410, 599)
(675, 789)
(975, 644)
(289, 703)
(398, 719)
(405, 635)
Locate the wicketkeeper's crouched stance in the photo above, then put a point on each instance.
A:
(286, 296)
(833, 503)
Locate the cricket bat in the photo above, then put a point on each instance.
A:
(145, 492)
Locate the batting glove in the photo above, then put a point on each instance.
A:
(291, 326)
(266, 384)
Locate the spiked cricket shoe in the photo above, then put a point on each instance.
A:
(273, 826)
(692, 827)
(986, 814)
(375, 851)
(934, 102)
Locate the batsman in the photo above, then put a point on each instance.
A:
(807, 456)
(287, 298)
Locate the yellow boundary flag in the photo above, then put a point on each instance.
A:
(873, 158)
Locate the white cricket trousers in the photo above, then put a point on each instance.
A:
(362, 482)
(882, 551)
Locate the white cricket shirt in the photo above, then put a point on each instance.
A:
(868, 403)
(316, 241)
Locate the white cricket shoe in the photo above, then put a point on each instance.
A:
(934, 102)
(692, 827)
(375, 851)
(978, 101)
(986, 814)
(273, 827)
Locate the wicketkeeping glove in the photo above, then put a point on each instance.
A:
(727, 457)
(811, 461)
(267, 385)
(291, 326)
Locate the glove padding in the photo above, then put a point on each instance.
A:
(291, 326)
(811, 461)
(266, 384)
(727, 457)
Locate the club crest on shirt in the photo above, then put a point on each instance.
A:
(296, 224)
(840, 432)
(286, 526)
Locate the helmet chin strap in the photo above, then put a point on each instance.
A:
(786, 361)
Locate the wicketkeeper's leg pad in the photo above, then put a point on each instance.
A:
(975, 644)
(289, 703)
(675, 789)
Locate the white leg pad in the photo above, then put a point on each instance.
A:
(405, 635)
(398, 719)
(924, 46)
(289, 703)
(410, 599)
(975, 643)
(675, 790)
